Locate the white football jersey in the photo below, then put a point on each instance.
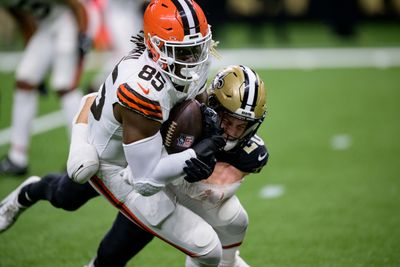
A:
(137, 84)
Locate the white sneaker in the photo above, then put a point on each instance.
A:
(239, 262)
(91, 263)
(10, 209)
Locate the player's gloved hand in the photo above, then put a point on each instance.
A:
(197, 170)
(84, 44)
(211, 125)
(208, 146)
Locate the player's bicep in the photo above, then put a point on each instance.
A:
(132, 100)
(135, 126)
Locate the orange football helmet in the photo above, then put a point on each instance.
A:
(178, 37)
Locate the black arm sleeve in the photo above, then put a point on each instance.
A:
(250, 158)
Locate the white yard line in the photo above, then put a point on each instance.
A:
(274, 58)
(305, 58)
(340, 142)
(271, 191)
(41, 124)
(311, 58)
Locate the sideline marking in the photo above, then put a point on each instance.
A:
(41, 124)
(341, 142)
(270, 58)
(272, 191)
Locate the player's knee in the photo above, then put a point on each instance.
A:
(64, 203)
(212, 258)
(25, 85)
(64, 91)
(234, 216)
(58, 196)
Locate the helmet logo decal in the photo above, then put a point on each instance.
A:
(219, 81)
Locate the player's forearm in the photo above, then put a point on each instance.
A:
(151, 171)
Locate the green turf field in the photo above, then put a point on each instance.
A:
(339, 208)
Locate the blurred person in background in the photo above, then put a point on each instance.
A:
(56, 42)
(119, 20)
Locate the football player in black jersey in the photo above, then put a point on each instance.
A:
(238, 95)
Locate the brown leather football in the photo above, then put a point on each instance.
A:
(183, 127)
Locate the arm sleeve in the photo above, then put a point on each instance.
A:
(151, 170)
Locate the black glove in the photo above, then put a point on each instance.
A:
(210, 122)
(208, 146)
(84, 44)
(201, 168)
(197, 170)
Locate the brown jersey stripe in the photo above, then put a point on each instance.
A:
(131, 105)
(232, 245)
(130, 94)
(128, 100)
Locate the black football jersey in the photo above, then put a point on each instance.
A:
(250, 158)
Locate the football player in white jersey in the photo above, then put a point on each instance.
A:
(53, 46)
(125, 121)
(238, 95)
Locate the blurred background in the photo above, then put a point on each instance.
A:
(282, 23)
(330, 194)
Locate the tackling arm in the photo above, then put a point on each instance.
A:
(143, 150)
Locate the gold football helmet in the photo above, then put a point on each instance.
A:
(239, 92)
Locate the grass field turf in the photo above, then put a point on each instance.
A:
(339, 208)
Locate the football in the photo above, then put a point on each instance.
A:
(183, 127)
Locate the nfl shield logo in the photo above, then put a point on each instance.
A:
(185, 141)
